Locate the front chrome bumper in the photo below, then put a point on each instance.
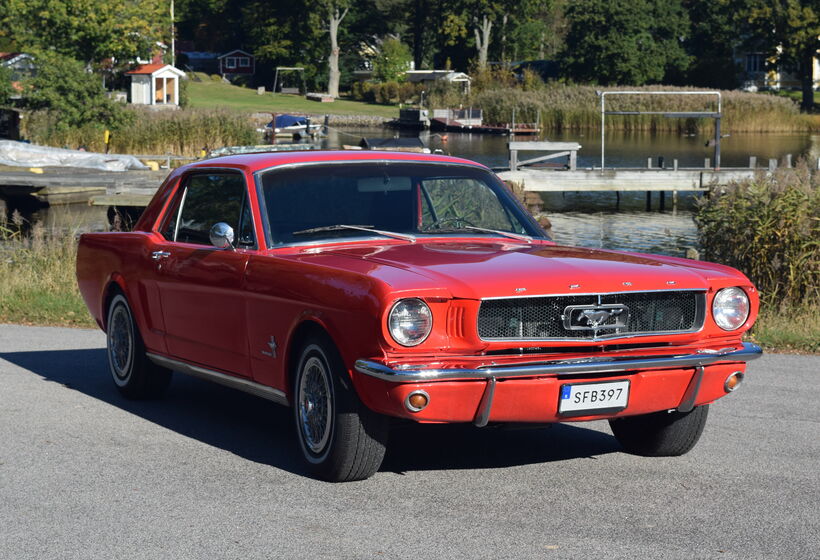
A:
(577, 366)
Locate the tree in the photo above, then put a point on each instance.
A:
(790, 30)
(336, 12)
(75, 97)
(625, 41)
(87, 30)
(489, 11)
(715, 32)
(6, 89)
(392, 61)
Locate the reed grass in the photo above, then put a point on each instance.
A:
(183, 132)
(769, 228)
(788, 329)
(561, 107)
(38, 285)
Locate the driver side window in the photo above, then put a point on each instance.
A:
(208, 199)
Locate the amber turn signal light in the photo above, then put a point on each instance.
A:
(733, 381)
(417, 401)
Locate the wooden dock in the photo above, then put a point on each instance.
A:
(624, 179)
(62, 185)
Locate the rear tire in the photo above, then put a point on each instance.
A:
(134, 374)
(340, 439)
(661, 434)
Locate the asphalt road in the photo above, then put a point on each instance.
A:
(208, 472)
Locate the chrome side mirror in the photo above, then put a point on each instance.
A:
(222, 236)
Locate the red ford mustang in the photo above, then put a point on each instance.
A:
(359, 286)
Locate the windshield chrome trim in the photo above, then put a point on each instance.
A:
(257, 177)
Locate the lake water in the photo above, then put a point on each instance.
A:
(584, 219)
(592, 219)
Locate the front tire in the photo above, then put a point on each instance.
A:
(135, 376)
(661, 434)
(341, 440)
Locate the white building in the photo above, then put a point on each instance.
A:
(155, 84)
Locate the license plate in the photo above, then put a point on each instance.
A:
(593, 398)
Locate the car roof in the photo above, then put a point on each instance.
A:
(255, 162)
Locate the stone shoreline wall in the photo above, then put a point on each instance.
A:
(338, 121)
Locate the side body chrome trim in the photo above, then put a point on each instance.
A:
(244, 385)
(744, 353)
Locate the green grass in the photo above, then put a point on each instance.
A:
(790, 330)
(37, 280)
(212, 95)
(38, 287)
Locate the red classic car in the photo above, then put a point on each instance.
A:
(359, 286)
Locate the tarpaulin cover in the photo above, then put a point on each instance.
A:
(22, 154)
(282, 121)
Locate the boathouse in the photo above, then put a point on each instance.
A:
(155, 85)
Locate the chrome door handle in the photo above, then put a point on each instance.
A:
(157, 255)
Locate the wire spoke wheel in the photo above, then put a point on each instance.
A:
(339, 437)
(133, 373)
(315, 405)
(121, 343)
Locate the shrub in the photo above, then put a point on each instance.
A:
(392, 61)
(769, 228)
(407, 92)
(392, 91)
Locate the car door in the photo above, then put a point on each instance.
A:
(200, 286)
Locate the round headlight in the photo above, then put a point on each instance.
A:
(730, 308)
(410, 322)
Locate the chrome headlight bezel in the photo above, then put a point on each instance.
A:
(731, 308)
(410, 322)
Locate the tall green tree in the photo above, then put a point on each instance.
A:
(625, 41)
(75, 97)
(5, 85)
(790, 30)
(717, 29)
(87, 30)
(392, 61)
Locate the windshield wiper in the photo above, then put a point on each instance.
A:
(509, 234)
(370, 229)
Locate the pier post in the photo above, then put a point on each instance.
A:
(662, 201)
(648, 201)
(649, 163)
(675, 164)
(674, 202)
(707, 163)
(752, 162)
(772, 164)
(788, 161)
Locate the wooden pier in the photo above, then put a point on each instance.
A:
(624, 179)
(568, 177)
(63, 185)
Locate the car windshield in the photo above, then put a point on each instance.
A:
(320, 202)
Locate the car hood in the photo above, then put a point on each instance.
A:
(498, 269)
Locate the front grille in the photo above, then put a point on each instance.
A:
(542, 318)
